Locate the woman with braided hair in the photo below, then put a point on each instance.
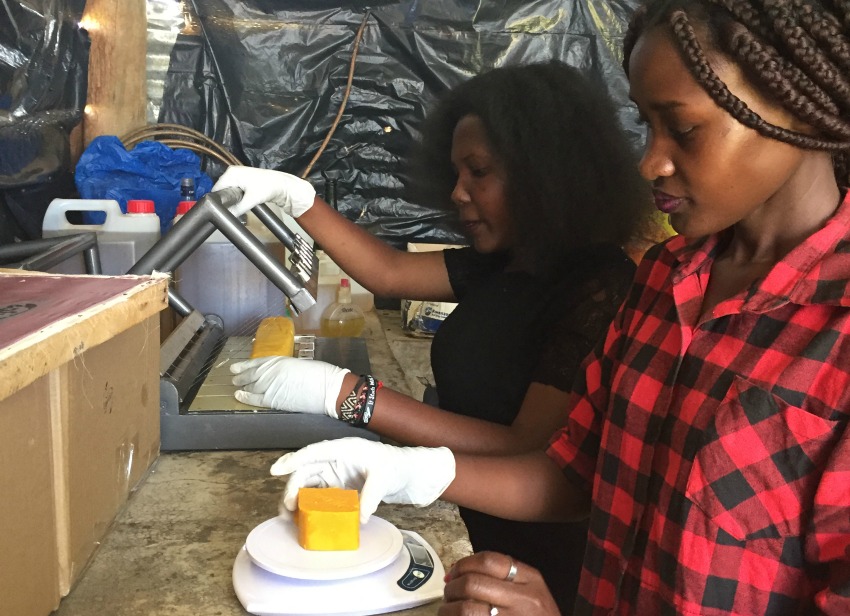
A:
(707, 435)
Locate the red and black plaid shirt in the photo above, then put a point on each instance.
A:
(718, 451)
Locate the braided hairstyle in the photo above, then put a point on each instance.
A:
(797, 52)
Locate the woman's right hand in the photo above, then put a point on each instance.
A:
(482, 584)
(291, 194)
(405, 475)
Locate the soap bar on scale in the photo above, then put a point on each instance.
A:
(328, 519)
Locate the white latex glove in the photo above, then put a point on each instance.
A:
(291, 194)
(406, 475)
(289, 384)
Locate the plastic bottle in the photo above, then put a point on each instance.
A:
(182, 208)
(187, 189)
(187, 199)
(330, 274)
(122, 238)
(342, 318)
(140, 207)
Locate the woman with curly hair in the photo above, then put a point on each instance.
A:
(534, 162)
(708, 436)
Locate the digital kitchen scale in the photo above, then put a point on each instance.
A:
(392, 570)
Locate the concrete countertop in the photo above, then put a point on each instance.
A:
(171, 549)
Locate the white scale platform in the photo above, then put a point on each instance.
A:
(392, 570)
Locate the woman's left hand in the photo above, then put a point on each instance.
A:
(492, 584)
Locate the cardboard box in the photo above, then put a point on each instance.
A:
(79, 421)
(423, 318)
(29, 563)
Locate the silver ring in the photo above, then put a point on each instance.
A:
(511, 572)
(494, 611)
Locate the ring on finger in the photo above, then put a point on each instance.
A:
(494, 611)
(511, 572)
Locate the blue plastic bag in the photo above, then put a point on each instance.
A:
(151, 170)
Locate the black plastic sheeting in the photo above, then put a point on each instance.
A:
(266, 79)
(43, 80)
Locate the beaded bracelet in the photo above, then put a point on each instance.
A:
(350, 407)
(356, 409)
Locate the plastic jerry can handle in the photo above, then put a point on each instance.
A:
(55, 218)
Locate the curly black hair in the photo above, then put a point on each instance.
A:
(572, 177)
(796, 52)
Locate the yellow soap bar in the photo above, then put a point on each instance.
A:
(328, 519)
(275, 336)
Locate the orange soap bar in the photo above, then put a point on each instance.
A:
(275, 336)
(328, 519)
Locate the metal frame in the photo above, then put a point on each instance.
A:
(186, 353)
(210, 213)
(42, 254)
(182, 429)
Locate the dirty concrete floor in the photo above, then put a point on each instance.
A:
(171, 549)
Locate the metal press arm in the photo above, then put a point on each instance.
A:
(42, 254)
(208, 214)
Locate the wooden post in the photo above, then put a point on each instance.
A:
(116, 90)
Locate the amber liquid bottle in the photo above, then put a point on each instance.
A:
(342, 318)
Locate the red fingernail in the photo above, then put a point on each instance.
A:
(447, 578)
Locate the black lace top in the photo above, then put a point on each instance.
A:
(508, 330)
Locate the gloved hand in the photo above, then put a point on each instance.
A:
(407, 475)
(289, 384)
(291, 194)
